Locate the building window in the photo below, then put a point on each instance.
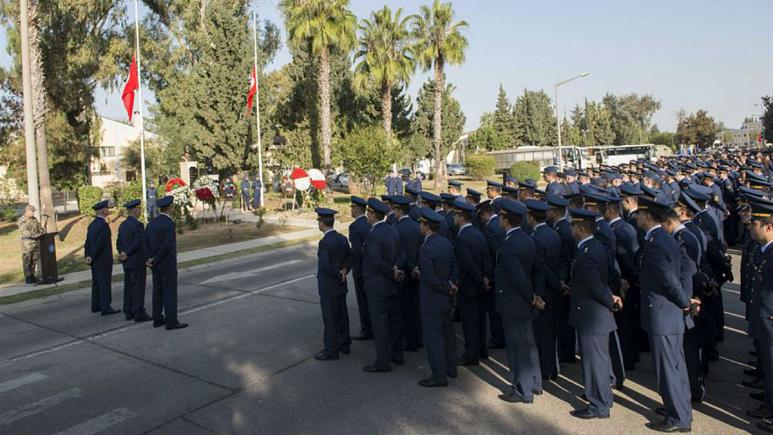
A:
(107, 151)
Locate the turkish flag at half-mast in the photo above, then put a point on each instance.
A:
(128, 90)
(253, 89)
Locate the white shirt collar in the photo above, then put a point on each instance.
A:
(360, 217)
(765, 248)
(541, 224)
(651, 230)
(404, 217)
(615, 220)
(331, 230)
(679, 228)
(379, 222)
(511, 230)
(463, 227)
(599, 218)
(492, 217)
(579, 245)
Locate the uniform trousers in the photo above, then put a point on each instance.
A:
(439, 343)
(545, 331)
(410, 319)
(29, 261)
(362, 303)
(765, 352)
(165, 294)
(694, 359)
(566, 334)
(335, 318)
(671, 374)
(616, 359)
(101, 294)
(385, 320)
(596, 369)
(134, 291)
(522, 356)
(473, 313)
(495, 321)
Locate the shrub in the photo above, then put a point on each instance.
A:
(524, 170)
(87, 197)
(8, 214)
(123, 193)
(479, 166)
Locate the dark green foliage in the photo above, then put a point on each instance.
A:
(366, 153)
(123, 193)
(87, 197)
(524, 170)
(534, 120)
(452, 119)
(767, 119)
(696, 129)
(479, 166)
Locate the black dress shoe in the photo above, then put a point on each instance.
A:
(757, 383)
(375, 369)
(363, 337)
(397, 362)
(431, 383)
(618, 387)
(664, 426)
(158, 323)
(753, 352)
(452, 375)
(583, 397)
(129, 317)
(110, 310)
(345, 350)
(758, 396)
(586, 414)
(466, 362)
(483, 356)
(661, 411)
(324, 356)
(496, 345)
(512, 398)
(765, 426)
(175, 325)
(142, 318)
(94, 310)
(760, 412)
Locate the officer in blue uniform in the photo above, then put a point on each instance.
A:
(494, 235)
(494, 193)
(381, 287)
(333, 260)
(432, 201)
(630, 203)
(447, 213)
(475, 273)
(592, 303)
(244, 187)
(454, 188)
(407, 260)
(761, 318)
(664, 305)
(515, 301)
(131, 253)
(437, 274)
(390, 217)
(413, 207)
(151, 200)
(257, 192)
(557, 218)
(98, 252)
(358, 230)
(547, 285)
(161, 249)
(550, 175)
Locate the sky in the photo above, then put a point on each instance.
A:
(690, 54)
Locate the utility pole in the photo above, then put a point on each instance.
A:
(29, 127)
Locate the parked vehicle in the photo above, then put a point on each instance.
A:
(338, 181)
(455, 169)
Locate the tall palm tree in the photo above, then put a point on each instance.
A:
(322, 26)
(439, 42)
(386, 58)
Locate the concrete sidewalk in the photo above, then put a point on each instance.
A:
(84, 276)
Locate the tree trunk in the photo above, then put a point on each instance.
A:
(386, 109)
(437, 127)
(40, 109)
(324, 102)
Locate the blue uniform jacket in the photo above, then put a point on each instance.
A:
(626, 247)
(437, 266)
(379, 257)
(514, 275)
(131, 240)
(99, 245)
(473, 260)
(762, 298)
(161, 242)
(568, 246)
(590, 312)
(493, 233)
(358, 230)
(662, 295)
(410, 242)
(547, 283)
(333, 254)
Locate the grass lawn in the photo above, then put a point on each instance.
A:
(72, 233)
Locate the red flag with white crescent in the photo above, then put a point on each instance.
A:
(132, 84)
(253, 89)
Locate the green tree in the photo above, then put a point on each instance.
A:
(321, 27)
(385, 57)
(594, 123)
(487, 138)
(534, 120)
(503, 117)
(767, 118)
(367, 154)
(452, 117)
(696, 129)
(631, 116)
(439, 42)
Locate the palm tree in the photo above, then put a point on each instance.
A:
(322, 26)
(385, 50)
(439, 42)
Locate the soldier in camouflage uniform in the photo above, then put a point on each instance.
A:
(30, 230)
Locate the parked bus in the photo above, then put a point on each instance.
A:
(593, 156)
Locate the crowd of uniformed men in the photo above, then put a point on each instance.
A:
(609, 261)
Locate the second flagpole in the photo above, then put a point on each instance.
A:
(139, 94)
(257, 106)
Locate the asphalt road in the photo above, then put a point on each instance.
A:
(245, 365)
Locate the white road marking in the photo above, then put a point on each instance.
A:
(738, 331)
(735, 315)
(39, 406)
(98, 424)
(18, 382)
(731, 291)
(248, 273)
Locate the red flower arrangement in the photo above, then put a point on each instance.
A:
(174, 183)
(205, 194)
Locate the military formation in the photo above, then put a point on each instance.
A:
(604, 263)
(139, 248)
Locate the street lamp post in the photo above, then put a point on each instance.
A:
(558, 120)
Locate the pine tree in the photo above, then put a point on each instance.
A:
(503, 121)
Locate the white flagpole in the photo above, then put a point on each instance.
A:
(257, 106)
(139, 94)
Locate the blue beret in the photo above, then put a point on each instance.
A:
(536, 205)
(100, 205)
(325, 212)
(508, 206)
(556, 201)
(581, 215)
(429, 215)
(473, 193)
(430, 197)
(463, 205)
(165, 201)
(359, 201)
(401, 200)
(454, 183)
(132, 204)
(550, 169)
(378, 206)
(490, 183)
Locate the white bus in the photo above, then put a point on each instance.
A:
(593, 156)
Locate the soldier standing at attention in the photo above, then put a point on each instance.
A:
(161, 248)
(663, 307)
(98, 252)
(333, 257)
(244, 187)
(30, 231)
(407, 259)
(131, 254)
(436, 272)
(358, 230)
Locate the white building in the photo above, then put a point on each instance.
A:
(747, 135)
(115, 138)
